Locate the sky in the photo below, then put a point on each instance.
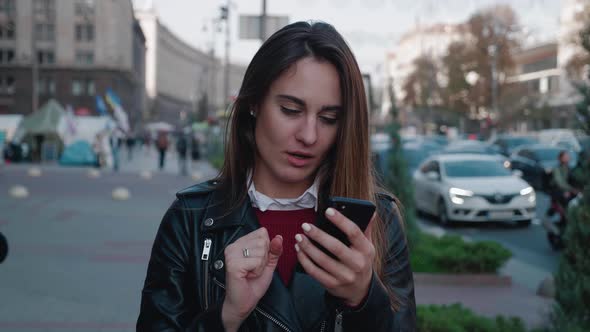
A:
(371, 27)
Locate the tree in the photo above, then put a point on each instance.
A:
(421, 87)
(494, 32)
(396, 177)
(572, 311)
(456, 67)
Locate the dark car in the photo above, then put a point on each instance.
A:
(536, 162)
(416, 153)
(507, 144)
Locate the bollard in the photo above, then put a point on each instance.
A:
(19, 191)
(146, 175)
(121, 194)
(34, 171)
(93, 173)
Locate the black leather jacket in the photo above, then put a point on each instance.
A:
(184, 287)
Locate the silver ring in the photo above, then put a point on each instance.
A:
(246, 252)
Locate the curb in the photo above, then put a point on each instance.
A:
(490, 280)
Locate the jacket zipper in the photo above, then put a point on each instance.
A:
(262, 312)
(323, 328)
(338, 323)
(205, 258)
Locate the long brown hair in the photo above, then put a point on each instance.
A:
(347, 170)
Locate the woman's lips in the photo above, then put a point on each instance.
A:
(298, 160)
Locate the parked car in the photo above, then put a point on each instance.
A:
(416, 153)
(475, 147)
(472, 188)
(564, 138)
(537, 161)
(506, 144)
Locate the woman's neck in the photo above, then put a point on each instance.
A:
(278, 189)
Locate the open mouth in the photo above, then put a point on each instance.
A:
(300, 155)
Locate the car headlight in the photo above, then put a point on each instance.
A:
(507, 164)
(458, 195)
(530, 192)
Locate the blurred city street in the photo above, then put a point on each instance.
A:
(78, 257)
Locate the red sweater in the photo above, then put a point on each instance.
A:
(286, 224)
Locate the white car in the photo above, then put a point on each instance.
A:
(472, 188)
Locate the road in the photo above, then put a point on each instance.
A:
(533, 259)
(78, 257)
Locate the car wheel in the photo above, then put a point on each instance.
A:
(443, 216)
(524, 223)
(3, 248)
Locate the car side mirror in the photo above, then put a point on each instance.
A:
(517, 172)
(432, 176)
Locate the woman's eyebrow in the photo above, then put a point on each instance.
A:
(302, 103)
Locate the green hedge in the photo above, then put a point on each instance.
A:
(455, 318)
(451, 254)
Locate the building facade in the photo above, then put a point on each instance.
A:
(73, 50)
(181, 79)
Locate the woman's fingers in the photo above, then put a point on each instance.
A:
(353, 232)
(315, 271)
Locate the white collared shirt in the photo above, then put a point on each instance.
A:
(307, 200)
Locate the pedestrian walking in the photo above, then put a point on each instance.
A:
(162, 145)
(181, 149)
(236, 253)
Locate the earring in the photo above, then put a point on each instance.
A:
(252, 113)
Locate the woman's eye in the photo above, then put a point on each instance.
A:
(329, 120)
(289, 111)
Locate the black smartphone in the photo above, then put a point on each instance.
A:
(357, 210)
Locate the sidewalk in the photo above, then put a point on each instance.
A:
(484, 297)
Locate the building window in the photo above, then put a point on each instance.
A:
(6, 56)
(46, 85)
(90, 88)
(45, 57)
(77, 87)
(84, 8)
(7, 84)
(44, 8)
(7, 30)
(45, 31)
(7, 7)
(84, 57)
(84, 32)
(82, 87)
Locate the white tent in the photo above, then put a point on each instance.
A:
(9, 123)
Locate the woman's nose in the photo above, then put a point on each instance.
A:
(307, 132)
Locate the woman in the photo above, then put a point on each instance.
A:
(236, 253)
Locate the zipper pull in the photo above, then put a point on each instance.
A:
(206, 249)
(338, 323)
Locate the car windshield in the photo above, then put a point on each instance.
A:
(547, 154)
(474, 168)
(517, 141)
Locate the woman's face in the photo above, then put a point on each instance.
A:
(296, 125)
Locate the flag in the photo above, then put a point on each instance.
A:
(112, 98)
(101, 107)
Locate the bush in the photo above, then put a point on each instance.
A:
(455, 318)
(451, 254)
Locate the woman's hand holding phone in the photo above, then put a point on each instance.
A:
(347, 277)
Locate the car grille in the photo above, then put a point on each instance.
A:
(499, 198)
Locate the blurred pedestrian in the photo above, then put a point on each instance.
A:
(181, 149)
(162, 145)
(130, 143)
(236, 253)
(195, 148)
